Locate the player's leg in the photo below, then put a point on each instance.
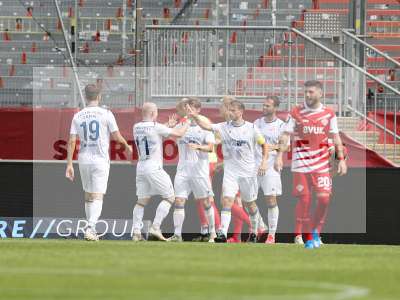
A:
(230, 187)
(94, 182)
(182, 191)
(162, 185)
(178, 217)
(302, 192)
(203, 222)
(272, 188)
(143, 193)
(248, 190)
(222, 233)
(322, 184)
(93, 208)
(252, 208)
(137, 218)
(273, 216)
(203, 193)
(239, 216)
(319, 217)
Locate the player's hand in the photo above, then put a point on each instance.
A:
(262, 169)
(278, 165)
(193, 146)
(190, 111)
(69, 173)
(130, 150)
(172, 120)
(342, 168)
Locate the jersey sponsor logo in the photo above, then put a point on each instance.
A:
(299, 187)
(313, 130)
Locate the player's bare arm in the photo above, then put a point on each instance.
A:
(116, 135)
(263, 166)
(342, 166)
(180, 131)
(203, 148)
(69, 173)
(281, 147)
(203, 123)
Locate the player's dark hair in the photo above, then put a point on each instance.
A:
(314, 83)
(237, 104)
(92, 92)
(194, 102)
(275, 99)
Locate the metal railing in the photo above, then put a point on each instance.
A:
(247, 62)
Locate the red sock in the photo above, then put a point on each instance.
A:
(217, 217)
(202, 213)
(321, 212)
(303, 217)
(239, 212)
(237, 228)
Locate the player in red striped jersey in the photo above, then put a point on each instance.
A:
(312, 125)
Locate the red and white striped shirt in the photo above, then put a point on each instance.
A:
(312, 129)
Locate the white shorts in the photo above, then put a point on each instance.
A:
(247, 186)
(270, 184)
(184, 185)
(157, 183)
(94, 177)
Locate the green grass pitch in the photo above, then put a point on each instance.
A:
(74, 269)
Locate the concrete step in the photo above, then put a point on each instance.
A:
(381, 147)
(348, 123)
(387, 151)
(364, 137)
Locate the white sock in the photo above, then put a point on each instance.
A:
(261, 224)
(225, 220)
(93, 212)
(211, 220)
(179, 217)
(254, 220)
(204, 230)
(161, 212)
(138, 212)
(273, 216)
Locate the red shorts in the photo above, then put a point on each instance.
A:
(305, 183)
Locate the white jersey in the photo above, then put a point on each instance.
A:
(93, 125)
(238, 147)
(194, 163)
(148, 139)
(271, 132)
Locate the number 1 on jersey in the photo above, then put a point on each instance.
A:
(144, 143)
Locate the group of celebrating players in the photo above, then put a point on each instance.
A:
(252, 159)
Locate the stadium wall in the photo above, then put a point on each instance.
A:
(42, 134)
(19, 191)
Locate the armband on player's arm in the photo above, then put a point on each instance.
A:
(260, 140)
(340, 150)
(341, 154)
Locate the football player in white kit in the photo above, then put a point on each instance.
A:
(151, 179)
(272, 128)
(93, 125)
(193, 173)
(239, 140)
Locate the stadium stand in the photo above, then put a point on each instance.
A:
(103, 37)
